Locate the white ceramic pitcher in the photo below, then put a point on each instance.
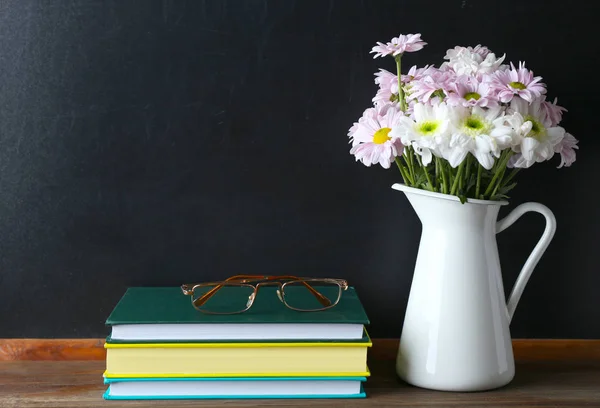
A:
(455, 335)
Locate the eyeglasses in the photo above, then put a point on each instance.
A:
(237, 293)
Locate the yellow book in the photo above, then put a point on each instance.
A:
(236, 359)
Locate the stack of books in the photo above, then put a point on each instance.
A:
(161, 347)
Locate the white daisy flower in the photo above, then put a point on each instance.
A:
(427, 130)
(472, 61)
(480, 132)
(536, 138)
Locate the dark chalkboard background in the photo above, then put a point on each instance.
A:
(160, 142)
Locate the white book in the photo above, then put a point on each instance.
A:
(227, 331)
(339, 387)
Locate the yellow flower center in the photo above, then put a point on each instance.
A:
(381, 136)
(475, 125)
(472, 95)
(517, 85)
(427, 128)
(538, 131)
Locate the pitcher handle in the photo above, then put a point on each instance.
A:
(535, 255)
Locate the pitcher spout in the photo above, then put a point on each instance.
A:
(446, 210)
(411, 190)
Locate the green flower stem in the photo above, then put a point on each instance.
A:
(417, 157)
(410, 171)
(431, 186)
(512, 174)
(411, 153)
(502, 171)
(451, 176)
(446, 172)
(490, 186)
(402, 171)
(412, 163)
(469, 166)
(478, 186)
(504, 181)
(408, 162)
(457, 178)
(444, 180)
(401, 97)
(501, 166)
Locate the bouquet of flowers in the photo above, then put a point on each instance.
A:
(465, 128)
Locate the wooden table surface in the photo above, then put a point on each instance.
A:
(537, 383)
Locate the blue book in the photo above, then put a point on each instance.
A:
(233, 388)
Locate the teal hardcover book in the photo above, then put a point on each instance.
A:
(164, 313)
(169, 305)
(234, 388)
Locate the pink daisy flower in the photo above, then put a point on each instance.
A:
(552, 112)
(388, 83)
(388, 86)
(415, 74)
(434, 86)
(468, 91)
(399, 45)
(566, 148)
(519, 82)
(371, 139)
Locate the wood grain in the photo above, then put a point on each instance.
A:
(551, 349)
(51, 349)
(65, 384)
(383, 349)
(523, 349)
(549, 373)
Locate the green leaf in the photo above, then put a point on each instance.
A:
(499, 197)
(506, 189)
